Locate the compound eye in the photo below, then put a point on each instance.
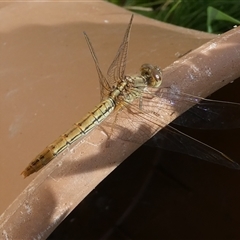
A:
(153, 75)
(146, 69)
(157, 76)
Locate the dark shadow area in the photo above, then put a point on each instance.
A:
(156, 194)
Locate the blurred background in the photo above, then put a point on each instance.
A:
(213, 16)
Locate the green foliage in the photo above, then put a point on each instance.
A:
(215, 16)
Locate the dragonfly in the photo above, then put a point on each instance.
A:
(131, 94)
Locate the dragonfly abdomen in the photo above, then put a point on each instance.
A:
(78, 130)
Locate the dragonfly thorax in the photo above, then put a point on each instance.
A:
(131, 87)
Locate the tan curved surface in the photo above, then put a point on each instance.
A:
(48, 82)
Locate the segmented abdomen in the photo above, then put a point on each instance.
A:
(78, 130)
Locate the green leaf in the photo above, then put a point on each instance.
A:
(214, 14)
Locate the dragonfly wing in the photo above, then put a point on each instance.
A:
(141, 124)
(129, 124)
(117, 68)
(171, 139)
(210, 114)
(105, 86)
(205, 114)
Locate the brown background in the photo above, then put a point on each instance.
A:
(48, 81)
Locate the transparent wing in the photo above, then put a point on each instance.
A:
(209, 114)
(206, 114)
(117, 68)
(171, 139)
(105, 86)
(154, 110)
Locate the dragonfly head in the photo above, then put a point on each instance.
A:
(152, 74)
